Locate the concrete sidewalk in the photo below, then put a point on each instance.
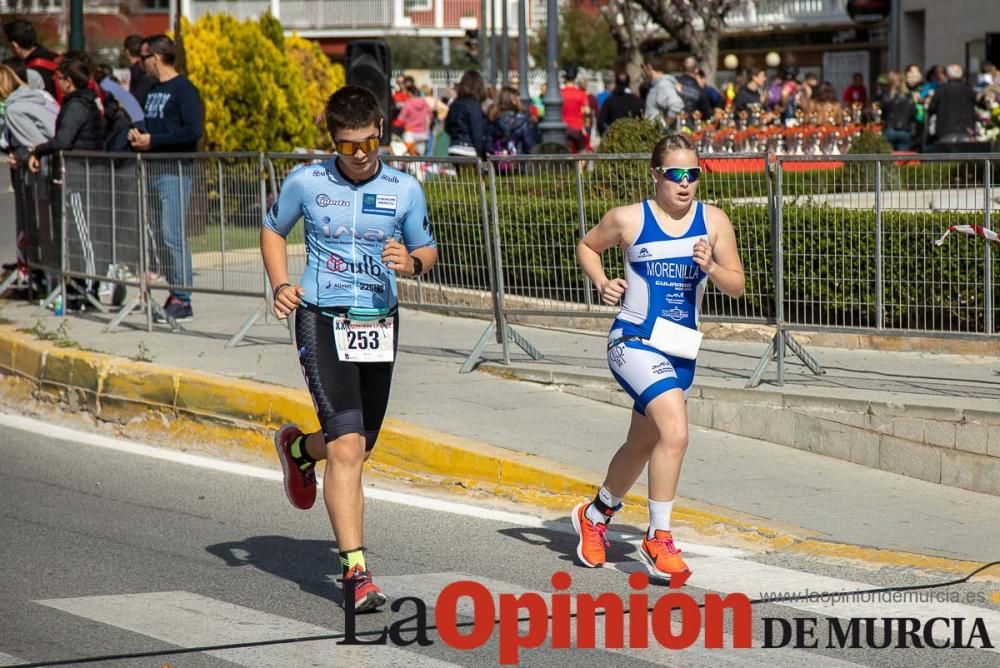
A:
(818, 495)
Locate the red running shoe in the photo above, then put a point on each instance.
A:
(590, 549)
(300, 482)
(367, 595)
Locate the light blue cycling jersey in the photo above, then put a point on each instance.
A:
(347, 225)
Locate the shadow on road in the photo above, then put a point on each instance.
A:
(311, 564)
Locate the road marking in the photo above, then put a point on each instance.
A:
(8, 660)
(190, 620)
(407, 499)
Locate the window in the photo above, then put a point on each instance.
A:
(417, 6)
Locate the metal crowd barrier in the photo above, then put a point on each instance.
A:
(842, 245)
(858, 249)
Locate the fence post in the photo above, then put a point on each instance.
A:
(145, 235)
(114, 217)
(879, 283)
(987, 253)
(222, 222)
(779, 270)
(63, 260)
(588, 288)
(498, 263)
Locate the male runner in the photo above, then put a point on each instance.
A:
(364, 224)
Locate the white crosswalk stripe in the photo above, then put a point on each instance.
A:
(429, 585)
(8, 660)
(189, 620)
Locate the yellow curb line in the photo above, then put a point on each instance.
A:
(243, 413)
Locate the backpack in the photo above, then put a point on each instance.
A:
(116, 126)
(690, 94)
(505, 145)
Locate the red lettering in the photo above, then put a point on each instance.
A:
(561, 610)
(638, 605)
(586, 620)
(446, 615)
(715, 607)
(511, 641)
(690, 621)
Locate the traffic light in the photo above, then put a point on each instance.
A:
(369, 66)
(472, 45)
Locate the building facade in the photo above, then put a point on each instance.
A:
(961, 31)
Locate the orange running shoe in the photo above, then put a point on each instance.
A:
(592, 545)
(661, 555)
(367, 595)
(300, 483)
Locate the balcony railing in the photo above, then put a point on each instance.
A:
(404, 15)
(785, 13)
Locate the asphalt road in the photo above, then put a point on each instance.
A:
(112, 548)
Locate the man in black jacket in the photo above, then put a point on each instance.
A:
(24, 44)
(750, 94)
(622, 103)
(954, 105)
(694, 96)
(139, 82)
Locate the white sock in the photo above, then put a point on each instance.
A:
(607, 498)
(659, 516)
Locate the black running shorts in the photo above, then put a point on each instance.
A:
(350, 397)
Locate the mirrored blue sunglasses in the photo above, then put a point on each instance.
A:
(678, 174)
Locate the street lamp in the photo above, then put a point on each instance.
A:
(504, 44)
(552, 126)
(76, 40)
(522, 54)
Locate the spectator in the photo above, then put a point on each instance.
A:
(510, 126)
(29, 120)
(465, 123)
(663, 102)
(694, 96)
(714, 96)
(987, 77)
(856, 93)
(609, 87)
(751, 95)
(139, 81)
(826, 108)
(112, 89)
(575, 103)
(954, 108)
(808, 90)
(898, 113)
(932, 81)
(24, 44)
(30, 115)
(80, 126)
(415, 119)
(622, 104)
(538, 103)
(174, 124)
